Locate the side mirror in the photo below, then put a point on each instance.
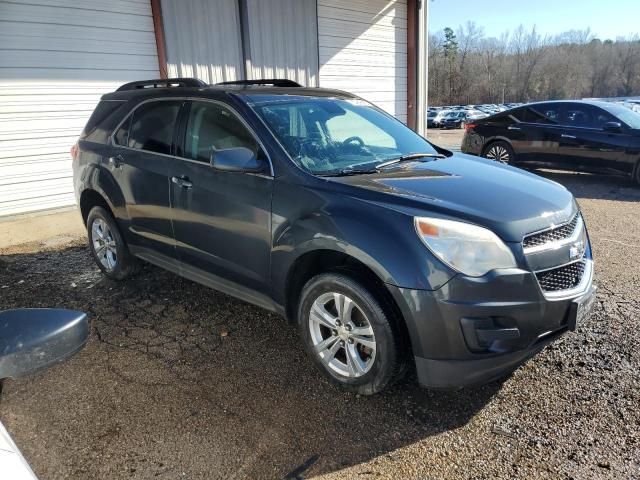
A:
(32, 339)
(612, 127)
(238, 159)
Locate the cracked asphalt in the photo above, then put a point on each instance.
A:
(181, 382)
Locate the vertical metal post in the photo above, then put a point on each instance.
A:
(422, 70)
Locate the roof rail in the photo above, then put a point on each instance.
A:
(162, 83)
(276, 82)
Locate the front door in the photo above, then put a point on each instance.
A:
(140, 165)
(221, 219)
(586, 145)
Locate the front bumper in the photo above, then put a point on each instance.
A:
(474, 330)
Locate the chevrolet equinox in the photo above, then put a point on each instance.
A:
(385, 250)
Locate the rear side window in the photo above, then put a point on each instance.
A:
(97, 128)
(545, 114)
(152, 126)
(122, 135)
(503, 120)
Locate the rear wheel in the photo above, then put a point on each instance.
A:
(499, 152)
(348, 334)
(107, 246)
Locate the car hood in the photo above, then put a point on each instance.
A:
(505, 199)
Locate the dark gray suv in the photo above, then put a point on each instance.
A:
(385, 250)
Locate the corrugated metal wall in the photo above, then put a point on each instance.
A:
(56, 60)
(281, 40)
(363, 49)
(203, 39)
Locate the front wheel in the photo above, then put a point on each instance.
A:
(499, 152)
(348, 335)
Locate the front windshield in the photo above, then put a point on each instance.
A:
(626, 115)
(329, 135)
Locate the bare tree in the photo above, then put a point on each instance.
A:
(467, 67)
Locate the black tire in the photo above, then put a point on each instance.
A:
(385, 366)
(500, 152)
(125, 264)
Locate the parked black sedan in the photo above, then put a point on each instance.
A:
(572, 135)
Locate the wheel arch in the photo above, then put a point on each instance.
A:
(90, 198)
(319, 261)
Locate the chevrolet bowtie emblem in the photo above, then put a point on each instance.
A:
(576, 250)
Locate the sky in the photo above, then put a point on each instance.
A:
(605, 18)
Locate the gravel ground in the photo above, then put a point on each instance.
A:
(178, 381)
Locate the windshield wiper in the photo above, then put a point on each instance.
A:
(407, 157)
(347, 171)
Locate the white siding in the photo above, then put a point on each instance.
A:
(57, 57)
(281, 40)
(203, 39)
(362, 48)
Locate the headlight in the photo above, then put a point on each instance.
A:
(467, 248)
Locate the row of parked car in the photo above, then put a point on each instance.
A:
(457, 116)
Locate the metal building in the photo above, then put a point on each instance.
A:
(57, 57)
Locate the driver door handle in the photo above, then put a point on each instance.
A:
(571, 137)
(183, 181)
(511, 127)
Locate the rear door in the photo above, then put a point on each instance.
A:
(221, 219)
(535, 136)
(140, 166)
(585, 145)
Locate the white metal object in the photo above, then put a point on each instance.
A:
(422, 53)
(363, 49)
(57, 60)
(12, 463)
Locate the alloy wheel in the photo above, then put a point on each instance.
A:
(104, 245)
(342, 335)
(498, 153)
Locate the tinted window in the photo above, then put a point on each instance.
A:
(586, 116)
(546, 113)
(213, 127)
(152, 126)
(122, 135)
(98, 126)
(501, 120)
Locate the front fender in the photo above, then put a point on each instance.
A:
(380, 237)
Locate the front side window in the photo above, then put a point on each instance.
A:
(328, 135)
(212, 127)
(152, 126)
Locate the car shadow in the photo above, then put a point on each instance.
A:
(595, 186)
(180, 378)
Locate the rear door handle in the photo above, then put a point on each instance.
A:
(571, 137)
(183, 181)
(115, 162)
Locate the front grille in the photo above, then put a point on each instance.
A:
(551, 235)
(562, 278)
